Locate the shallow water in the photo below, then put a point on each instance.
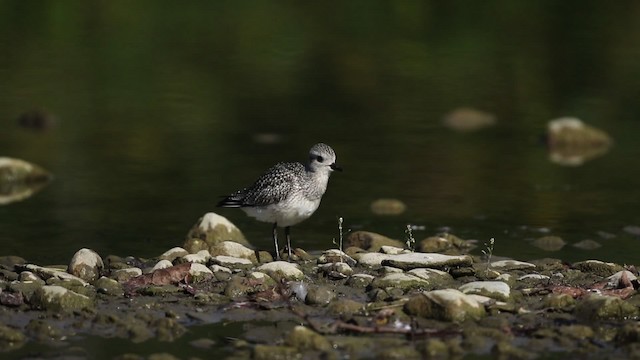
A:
(161, 109)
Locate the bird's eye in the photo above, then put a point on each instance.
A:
(319, 158)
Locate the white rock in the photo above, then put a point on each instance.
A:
(28, 276)
(86, 264)
(493, 289)
(199, 270)
(234, 249)
(432, 260)
(511, 265)
(391, 270)
(533, 277)
(455, 305)
(430, 274)
(372, 259)
(173, 253)
(335, 255)
(201, 257)
(392, 250)
(399, 280)
(282, 270)
(613, 281)
(230, 261)
(162, 264)
(216, 268)
(46, 273)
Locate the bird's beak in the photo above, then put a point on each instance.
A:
(335, 166)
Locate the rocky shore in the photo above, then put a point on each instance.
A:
(375, 299)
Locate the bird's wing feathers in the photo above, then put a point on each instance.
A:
(270, 188)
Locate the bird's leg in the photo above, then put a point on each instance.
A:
(287, 230)
(275, 239)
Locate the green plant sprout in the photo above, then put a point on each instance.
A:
(340, 222)
(488, 253)
(411, 241)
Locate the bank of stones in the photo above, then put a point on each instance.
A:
(448, 304)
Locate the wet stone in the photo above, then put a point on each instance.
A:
(510, 265)
(597, 267)
(587, 244)
(303, 338)
(28, 276)
(57, 298)
(201, 257)
(370, 241)
(282, 270)
(10, 338)
(86, 264)
(549, 243)
(232, 262)
(336, 256)
(336, 271)
(388, 207)
(10, 261)
(173, 253)
(494, 289)
(162, 264)
(402, 281)
(49, 272)
(343, 306)
(124, 275)
(360, 281)
(446, 304)
(598, 307)
(427, 260)
(319, 295)
(199, 272)
(210, 230)
(234, 249)
(109, 286)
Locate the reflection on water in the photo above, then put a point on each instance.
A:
(158, 115)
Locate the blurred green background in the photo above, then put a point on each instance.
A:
(161, 107)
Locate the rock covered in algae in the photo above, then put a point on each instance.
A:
(57, 298)
(86, 264)
(210, 230)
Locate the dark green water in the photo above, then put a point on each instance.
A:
(160, 109)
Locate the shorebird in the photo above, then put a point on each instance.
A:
(287, 193)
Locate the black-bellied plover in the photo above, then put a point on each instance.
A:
(287, 193)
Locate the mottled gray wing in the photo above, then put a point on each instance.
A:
(270, 188)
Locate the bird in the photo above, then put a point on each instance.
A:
(287, 193)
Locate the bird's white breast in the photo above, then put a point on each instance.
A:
(288, 212)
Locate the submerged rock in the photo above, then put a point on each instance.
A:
(20, 179)
(549, 243)
(466, 119)
(598, 307)
(445, 243)
(571, 142)
(86, 264)
(210, 230)
(388, 207)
